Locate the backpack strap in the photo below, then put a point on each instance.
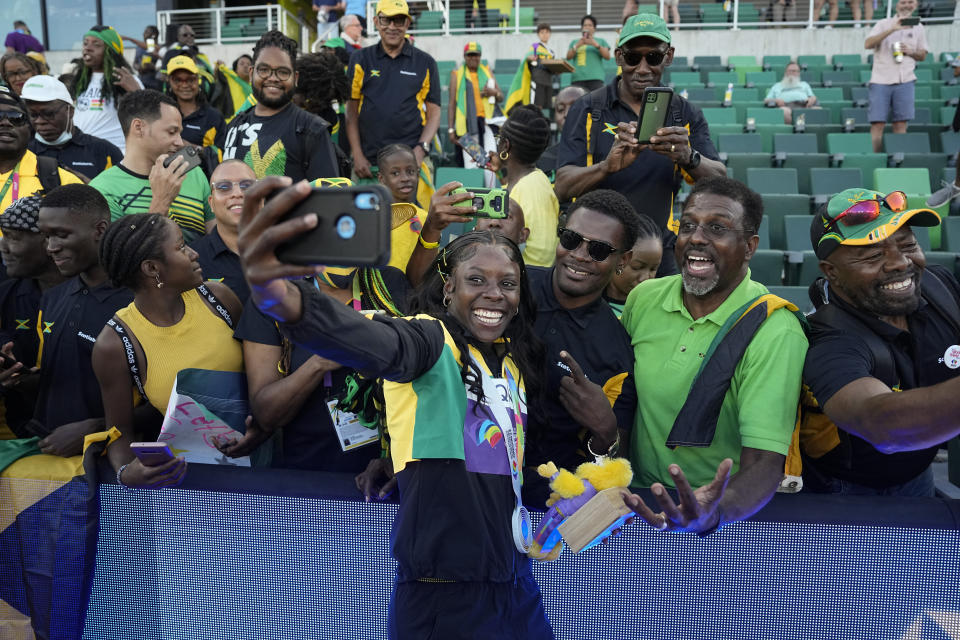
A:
(221, 310)
(48, 172)
(132, 363)
(594, 124)
(831, 316)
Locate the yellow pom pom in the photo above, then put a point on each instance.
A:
(566, 484)
(547, 470)
(614, 472)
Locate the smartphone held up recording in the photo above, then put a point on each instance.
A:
(654, 111)
(353, 228)
(490, 203)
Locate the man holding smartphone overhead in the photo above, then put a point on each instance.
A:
(599, 147)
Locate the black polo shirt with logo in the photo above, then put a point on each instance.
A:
(219, 263)
(836, 358)
(70, 319)
(392, 93)
(601, 346)
(652, 180)
(19, 301)
(83, 154)
(204, 127)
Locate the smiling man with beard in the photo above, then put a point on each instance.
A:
(276, 137)
(714, 398)
(883, 360)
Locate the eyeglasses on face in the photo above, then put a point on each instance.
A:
(598, 250)
(19, 73)
(632, 58)
(16, 118)
(226, 186)
(397, 21)
(713, 230)
(47, 114)
(265, 71)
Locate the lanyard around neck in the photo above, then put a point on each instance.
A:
(13, 180)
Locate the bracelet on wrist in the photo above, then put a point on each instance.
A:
(119, 480)
(427, 245)
(611, 452)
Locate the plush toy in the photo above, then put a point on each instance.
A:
(571, 491)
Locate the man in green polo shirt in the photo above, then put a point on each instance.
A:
(673, 322)
(588, 54)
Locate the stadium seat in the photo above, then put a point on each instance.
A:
(824, 183)
(740, 163)
(813, 116)
(722, 78)
(795, 143)
(910, 181)
(740, 143)
(797, 295)
(772, 181)
(858, 114)
(849, 143)
(766, 267)
(765, 79)
(797, 232)
(765, 115)
(685, 79)
(950, 234)
(719, 115)
(777, 207)
(769, 62)
(764, 233)
(950, 143)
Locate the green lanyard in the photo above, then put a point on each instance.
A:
(6, 187)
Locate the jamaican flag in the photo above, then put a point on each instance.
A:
(520, 87)
(466, 106)
(230, 94)
(49, 515)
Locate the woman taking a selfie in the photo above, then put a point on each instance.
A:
(456, 379)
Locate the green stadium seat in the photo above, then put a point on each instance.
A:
(799, 296)
(703, 96)
(685, 79)
(429, 20)
(910, 181)
(906, 143)
(765, 115)
(844, 60)
(769, 62)
(858, 114)
(811, 76)
(720, 115)
(950, 234)
(507, 65)
(950, 92)
(804, 163)
(766, 267)
(837, 78)
(765, 79)
(769, 131)
(813, 116)
(764, 233)
(795, 143)
(950, 144)
(740, 143)
(797, 230)
(714, 13)
(825, 183)
(777, 207)
(469, 177)
(805, 268)
(740, 163)
(722, 78)
(849, 143)
(772, 181)
(737, 62)
(812, 60)
(702, 61)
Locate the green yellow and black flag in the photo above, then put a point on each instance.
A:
(49, 518)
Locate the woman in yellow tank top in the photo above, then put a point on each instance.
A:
(176, 321)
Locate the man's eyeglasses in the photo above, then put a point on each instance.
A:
(714, 231)
(633, 58)
(226, 186)
(47, 114)
(16, 118)
(597, 249)
(283, 73)
(397, 21)
(869, 210)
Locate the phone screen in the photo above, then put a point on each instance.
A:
(910, 22)
(653, 115)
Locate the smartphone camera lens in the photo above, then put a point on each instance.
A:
(651, 97)
(191, 151)
(346, 226)
(478, 202)
(367, 201)
(497, 203)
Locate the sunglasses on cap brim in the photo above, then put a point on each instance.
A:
(869, 210)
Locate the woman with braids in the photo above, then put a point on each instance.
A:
(523, 138)
(644, 261)
(99, 82)
(176, 321)
(457, 376)
(16, 69)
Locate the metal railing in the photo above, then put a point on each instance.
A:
(234, 25)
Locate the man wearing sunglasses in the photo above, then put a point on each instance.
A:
(718, 371)
(217, 251)
(20, 169)
(589, 396)
(883, 363)
(394, 96)
(51, 109)
(599, 149)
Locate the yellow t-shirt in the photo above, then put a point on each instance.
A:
(534, 193)
(403, 239)
(28, 182)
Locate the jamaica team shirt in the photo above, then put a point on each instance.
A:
(128, 192)
(291, 143)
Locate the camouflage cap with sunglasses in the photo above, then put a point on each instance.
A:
(858, 217)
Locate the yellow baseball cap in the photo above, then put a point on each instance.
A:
(182, 63)
(393, 8)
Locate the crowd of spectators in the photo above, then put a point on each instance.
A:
(597, 318)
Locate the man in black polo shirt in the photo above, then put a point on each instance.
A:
(884, 358)
(394, 95)
(73, 218)
(51, 109)
(589, 395)
(606, 155)
(217, 251)
(276, 137)
(30, 272)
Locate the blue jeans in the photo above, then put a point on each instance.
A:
(920, 487)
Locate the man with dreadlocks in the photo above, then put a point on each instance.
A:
(100, 82)
(322, 90)
(276, 137)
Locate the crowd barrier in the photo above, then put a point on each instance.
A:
(249, 553)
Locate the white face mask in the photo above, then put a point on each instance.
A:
(64, 137)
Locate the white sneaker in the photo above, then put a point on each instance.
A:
(944, 195)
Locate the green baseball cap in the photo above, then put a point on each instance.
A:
(648, 25)
(827, 233)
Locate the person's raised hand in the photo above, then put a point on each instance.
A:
(165, 182)
(586, 402)
(261, 232)
(10, 367)
(137, 475)
(698, 509)
(253, 436)
(674, 143)
(361, 166)
(125, 80)
(443, 213)
(625, 148)
(378, 481)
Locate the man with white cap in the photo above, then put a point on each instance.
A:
(51, 110)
